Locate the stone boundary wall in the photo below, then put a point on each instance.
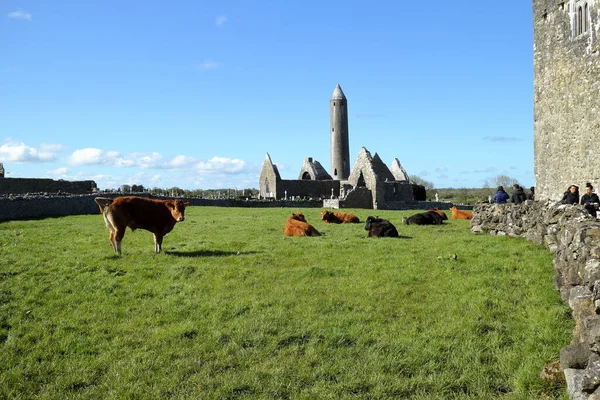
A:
(38, 206)
(46, 205)
(573, 236)
(34, 185)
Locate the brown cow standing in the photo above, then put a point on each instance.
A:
(338, 217)
(296, 225)
(156, 216)
(460, 214)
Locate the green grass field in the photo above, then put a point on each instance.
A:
(234, 310)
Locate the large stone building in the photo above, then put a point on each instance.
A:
(566, 95)
(370, 183)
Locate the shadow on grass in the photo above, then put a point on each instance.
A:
(209, 253)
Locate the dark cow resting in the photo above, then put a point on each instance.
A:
(156, 216)
(426, 218)
(378, 227)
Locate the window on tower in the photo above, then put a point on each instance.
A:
(579, 17)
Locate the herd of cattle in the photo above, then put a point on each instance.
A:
(160, 216)
(296, 225)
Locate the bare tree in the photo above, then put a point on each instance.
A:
(504, 181)
(417, 180)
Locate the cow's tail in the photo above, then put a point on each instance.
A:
(103, 202)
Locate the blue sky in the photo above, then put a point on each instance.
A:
(194, 94)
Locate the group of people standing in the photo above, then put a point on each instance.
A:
(589, 200)
(518, 195)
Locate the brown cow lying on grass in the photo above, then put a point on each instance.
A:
(156, 216)
(338, 217)
(460, 214)
(296, 225)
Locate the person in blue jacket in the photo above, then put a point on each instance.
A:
(501, 197)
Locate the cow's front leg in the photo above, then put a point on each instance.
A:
(157, 243)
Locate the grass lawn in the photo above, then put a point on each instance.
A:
(232, 309)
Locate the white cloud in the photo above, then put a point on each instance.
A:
(20, 14)
(143, 160)
(209, 64)
(182, 162)
(221, 164)
(92, 156)
(220, 21)
(20, 152)
(51, 148)
(441, 170)
(59, 173)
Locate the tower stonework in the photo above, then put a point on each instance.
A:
(566, 95)
(340, 148)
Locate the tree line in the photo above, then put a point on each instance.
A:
(226, 193)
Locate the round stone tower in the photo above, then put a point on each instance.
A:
(340, 149)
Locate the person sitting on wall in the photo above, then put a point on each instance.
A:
(518, 195)
(590, 200)
(531, 194)
(571, 196)
(501, 197)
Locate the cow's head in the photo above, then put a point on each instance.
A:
(299, 217)
(326, 215)
(177, 208)
(373, 221)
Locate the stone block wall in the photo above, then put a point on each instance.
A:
(573, 236)
(34, 185)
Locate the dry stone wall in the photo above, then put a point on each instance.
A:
(573, 236)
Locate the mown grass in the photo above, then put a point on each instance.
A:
(234, 310)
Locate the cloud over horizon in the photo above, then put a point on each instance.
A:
(92, 156)
(19, 14)
(19, 152)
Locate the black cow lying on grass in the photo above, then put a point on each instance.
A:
(426, 218)
(378, 227)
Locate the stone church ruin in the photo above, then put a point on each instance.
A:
(369, 184)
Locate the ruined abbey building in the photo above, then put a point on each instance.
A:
(566, 95)
(370, 183)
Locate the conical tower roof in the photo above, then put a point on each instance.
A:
(338, 94)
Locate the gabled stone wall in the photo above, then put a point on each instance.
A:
(574, 237)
